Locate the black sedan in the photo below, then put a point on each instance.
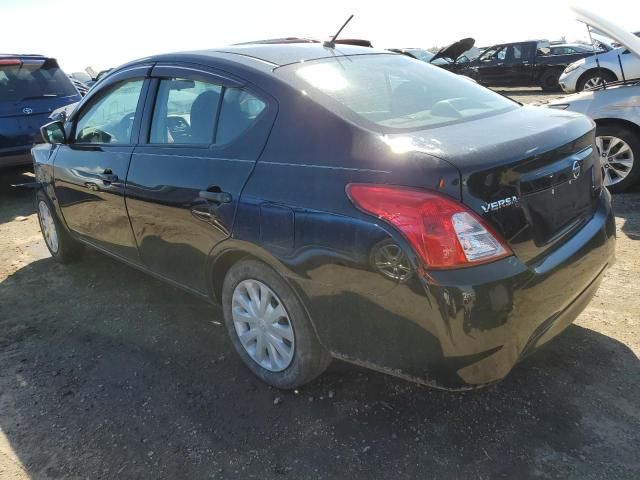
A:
(338, 202)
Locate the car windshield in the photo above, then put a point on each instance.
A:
(393, 92)
(29, 80)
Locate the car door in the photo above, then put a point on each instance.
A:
(202, 134)
(90, 170)
(518, 65)
(490, 65)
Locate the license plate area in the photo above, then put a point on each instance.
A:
(558, 201)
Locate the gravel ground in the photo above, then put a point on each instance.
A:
(107, 373)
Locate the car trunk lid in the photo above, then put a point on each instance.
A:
(532, 174)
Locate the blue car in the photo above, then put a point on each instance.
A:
(31, 87)
(339, 202)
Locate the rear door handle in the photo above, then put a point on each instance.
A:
(218, 197)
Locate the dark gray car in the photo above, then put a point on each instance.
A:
(31, 87)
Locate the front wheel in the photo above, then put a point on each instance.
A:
(550, 81)
(594, 79)
(269, 327)
(61, 245)
(619, 150)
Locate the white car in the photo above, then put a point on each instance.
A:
(616, 112)
(585, 73)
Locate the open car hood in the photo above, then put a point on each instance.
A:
(453, 51)
(620, 35)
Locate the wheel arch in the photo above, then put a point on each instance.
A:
(232, 251)
(596, 70)
(609, 121)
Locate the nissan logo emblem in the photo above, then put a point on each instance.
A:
(27, 110)
(576, 169)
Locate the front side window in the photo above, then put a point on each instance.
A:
(110, 119)
(492, 53)
(393, 92)
(185, 112)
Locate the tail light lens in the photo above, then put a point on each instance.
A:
(443, 232)
(10, 61)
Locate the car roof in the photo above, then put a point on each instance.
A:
(273, 54)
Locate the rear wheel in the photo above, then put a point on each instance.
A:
(269, 327)
(61, 245)
(550, 81)
(593, 79)
(619, 150)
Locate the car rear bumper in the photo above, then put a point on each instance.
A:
(459, 329)
(505, 310)
(15, 156)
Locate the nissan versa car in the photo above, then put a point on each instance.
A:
(31, 87)
(339, 202)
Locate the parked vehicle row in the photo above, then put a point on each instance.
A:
(523, 64)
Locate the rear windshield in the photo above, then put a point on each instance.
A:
(33, 79)
(393, 92)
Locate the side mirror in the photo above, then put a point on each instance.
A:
(53, 133)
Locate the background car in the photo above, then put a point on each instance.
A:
(31, 87)
(449, 57)
(569, 48)
(616, 111)
(81, 87)
(586, 73)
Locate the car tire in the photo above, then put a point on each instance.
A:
(287, 360)
(590, 78)
(605, 137)
(550, 81)
(63, 247)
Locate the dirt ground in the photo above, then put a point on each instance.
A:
(107, 373)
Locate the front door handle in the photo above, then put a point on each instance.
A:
(218, 197)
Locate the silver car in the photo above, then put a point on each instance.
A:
(616, 111)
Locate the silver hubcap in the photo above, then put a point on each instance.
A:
(263, 325)
(592, 82)
(616, 158)
(48, 226)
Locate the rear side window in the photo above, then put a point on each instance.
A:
(239, 111)
(393, 92)
(32, 79)
(185, 112)
(110, 118)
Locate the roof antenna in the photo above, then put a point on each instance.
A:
(332, 43)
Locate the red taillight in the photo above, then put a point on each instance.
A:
(10, 61)
(443, 232)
